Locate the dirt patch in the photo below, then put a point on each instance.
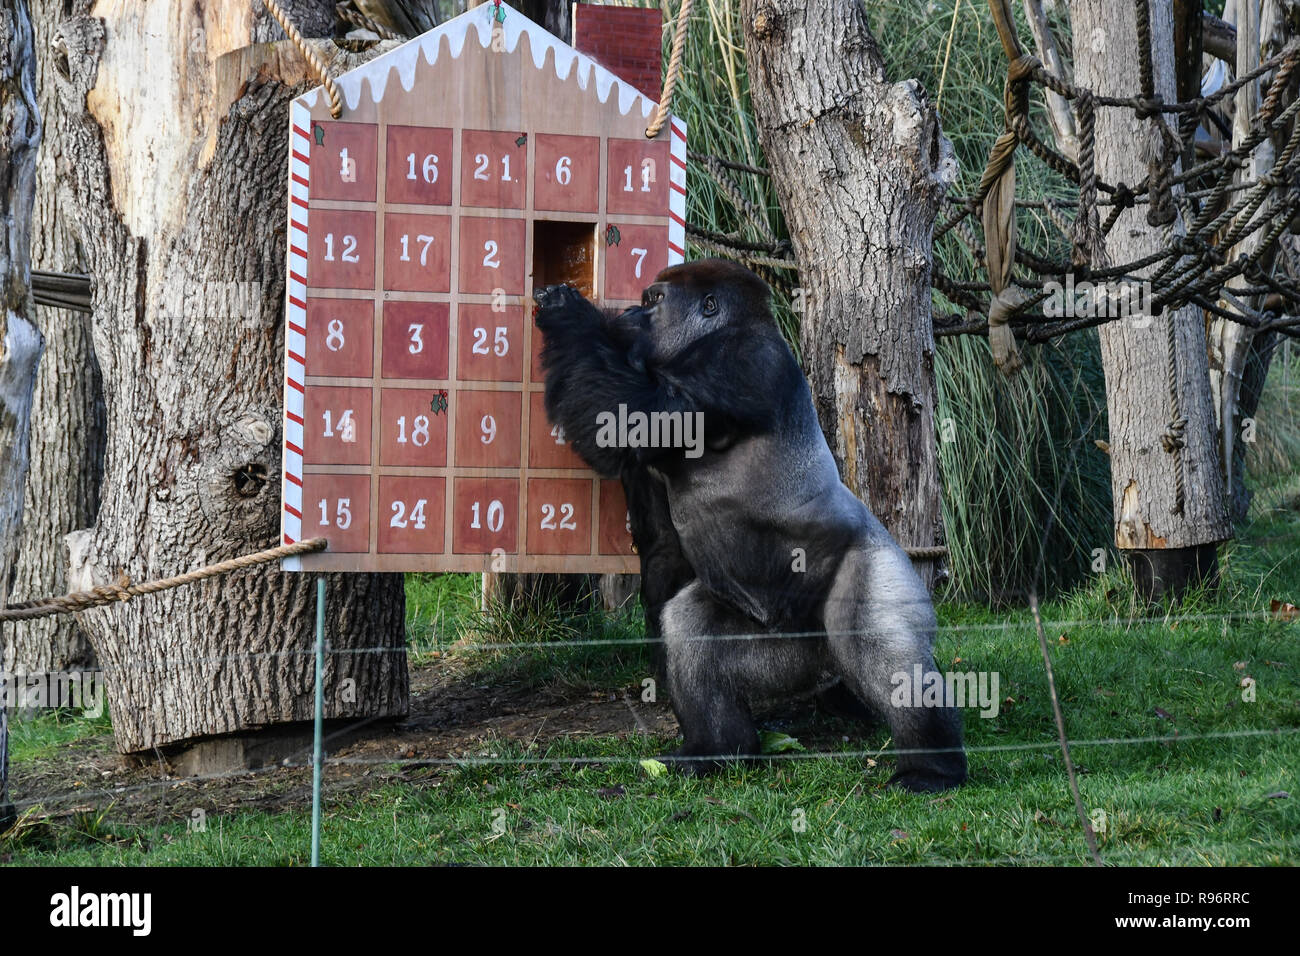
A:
(453, 715)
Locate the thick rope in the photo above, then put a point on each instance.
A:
(1087, 237)
(674, 70)
(1174, 440)
(927, 554)
(697, 157)
(756, 215)
(1191, 267)
(123, 590)
(311, 56)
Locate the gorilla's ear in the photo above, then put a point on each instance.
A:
(710, 306)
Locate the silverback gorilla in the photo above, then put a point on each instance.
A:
(762, 573)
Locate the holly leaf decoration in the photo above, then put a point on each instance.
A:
(523, 138)
(320, 134)
(439, 403)
(612, 236)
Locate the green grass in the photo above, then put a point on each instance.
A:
(1194, 803)
(42, 736)
(1207, 799)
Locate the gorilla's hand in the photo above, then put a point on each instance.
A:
(557, 304)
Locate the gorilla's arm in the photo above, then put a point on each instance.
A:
(738, 378)
(585, 345)
(585, 357)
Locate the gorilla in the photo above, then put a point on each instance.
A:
(762, 574)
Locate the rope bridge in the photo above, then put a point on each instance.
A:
(1221, 209)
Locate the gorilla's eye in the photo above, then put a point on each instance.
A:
(710, 306)
(649, 298)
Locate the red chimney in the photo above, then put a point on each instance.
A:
(624, 40)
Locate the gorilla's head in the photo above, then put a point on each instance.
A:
(687, 302)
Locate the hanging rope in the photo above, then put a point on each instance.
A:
(997, 192)
(1173, 440)
(674, 69)
(1088, 240)
(124, 590)
(311, 56)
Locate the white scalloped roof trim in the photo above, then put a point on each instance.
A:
(479, 21)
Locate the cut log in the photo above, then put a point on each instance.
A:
(177, 119)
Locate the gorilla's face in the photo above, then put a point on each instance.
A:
(678, 315)
(687, 302)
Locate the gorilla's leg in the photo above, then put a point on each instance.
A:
(707, 695)
(664, 569)
(838, 701)
(880, 622)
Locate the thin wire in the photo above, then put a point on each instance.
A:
(620, 759)
(1261, 616)
(452, 648)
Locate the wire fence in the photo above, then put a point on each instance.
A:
(1220, 211)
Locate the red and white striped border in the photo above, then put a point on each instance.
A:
(295, 333)
(677, 191)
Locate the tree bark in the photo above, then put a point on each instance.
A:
(1239, 356)
(1059, 114)
(555, 16)
(177, 118)
(67, 441)
(409, 18)
(1167, 543)
(861, 166)
(20, 341)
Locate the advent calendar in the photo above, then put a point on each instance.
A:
(470, 166)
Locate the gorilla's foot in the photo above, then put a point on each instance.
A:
(933, 777)
(703, 764)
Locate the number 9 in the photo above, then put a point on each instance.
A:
(489, 428)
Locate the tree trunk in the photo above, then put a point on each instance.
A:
(20, 341)
(67, 444)
(1059, 114)
(555, 16)
(1169, 541)
(861, 166)
(177, 124)
(1240, 357)
(409, 18)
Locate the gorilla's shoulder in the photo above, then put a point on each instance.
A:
(746, 371)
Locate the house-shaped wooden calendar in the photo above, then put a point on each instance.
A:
(470, 166)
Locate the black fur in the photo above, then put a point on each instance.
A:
(592, 347)
(741, 616)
